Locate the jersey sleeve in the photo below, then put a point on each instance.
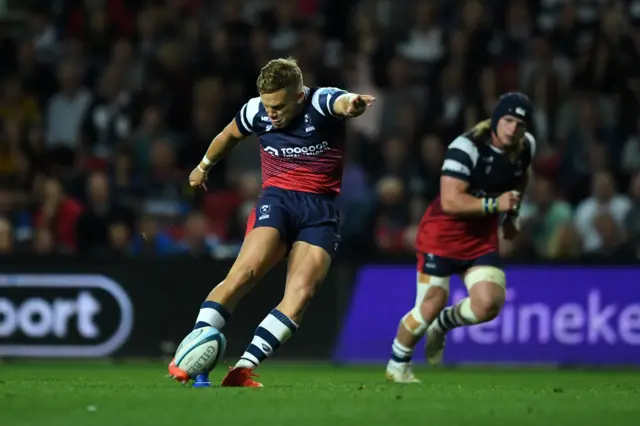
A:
(460, 159)
(247, 114)
(325, 98)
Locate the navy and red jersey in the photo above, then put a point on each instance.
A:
(307, 155)
(472, 158)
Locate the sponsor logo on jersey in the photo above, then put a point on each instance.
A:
(298, 151)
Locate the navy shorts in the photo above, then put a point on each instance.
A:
(299, 216)
(438, 266)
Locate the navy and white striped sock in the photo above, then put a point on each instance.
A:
(272, 332)
(212, 314)
(400, 353)
(448, 319)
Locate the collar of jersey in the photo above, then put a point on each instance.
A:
(495, 148)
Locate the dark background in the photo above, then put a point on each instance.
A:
(107, 105)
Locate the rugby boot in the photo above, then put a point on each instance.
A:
(240, 377)
(435, 345)
(177, 373)
(400, 373)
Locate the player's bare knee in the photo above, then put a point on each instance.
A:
(486, 287)
(431, 297)
(487, 299)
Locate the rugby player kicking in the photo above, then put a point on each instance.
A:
(301, 133)
(484, 172)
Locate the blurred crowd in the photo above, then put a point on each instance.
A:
(107, 105)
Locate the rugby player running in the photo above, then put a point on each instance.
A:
(301, 135)
(484, 172)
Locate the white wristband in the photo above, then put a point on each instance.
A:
(201, 169)
(206, 161)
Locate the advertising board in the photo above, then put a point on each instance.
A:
(555, 315)
(66, 315)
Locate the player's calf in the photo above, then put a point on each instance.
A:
(307, 269)
(486, 287)
(222, 300)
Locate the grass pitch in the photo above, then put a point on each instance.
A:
(310, 395)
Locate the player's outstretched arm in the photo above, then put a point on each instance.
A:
(220, 146)
(352, 104)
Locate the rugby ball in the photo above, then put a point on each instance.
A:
(200, 351)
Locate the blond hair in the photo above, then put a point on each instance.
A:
(279, 74)
(481, 128)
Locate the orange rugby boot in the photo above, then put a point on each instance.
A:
(240, 377)
(177, 373)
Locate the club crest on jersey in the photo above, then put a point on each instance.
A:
(308, 125)
(264, 211)
(430, 261)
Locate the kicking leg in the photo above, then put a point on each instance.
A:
(431, 297)
(307, 269)
(486, 287)
(261, 250)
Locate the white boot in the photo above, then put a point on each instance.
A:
(435, 345)
(400, 372)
